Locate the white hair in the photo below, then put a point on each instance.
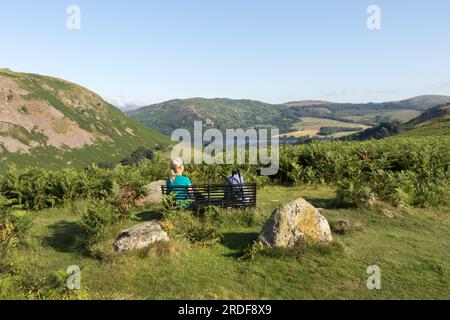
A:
(176, 163)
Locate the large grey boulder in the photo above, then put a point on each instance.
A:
(293, 223)
(154, 193)
(140, 236)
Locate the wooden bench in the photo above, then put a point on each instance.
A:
(224, 196)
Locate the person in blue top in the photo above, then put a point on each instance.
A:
(179, 184)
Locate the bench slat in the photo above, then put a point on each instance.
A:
(217, 195)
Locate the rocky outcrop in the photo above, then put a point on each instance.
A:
(154, 193)
(294, 223)
(140, 236)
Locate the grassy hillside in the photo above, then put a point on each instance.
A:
(432, 122)
(51, 123)
(439, 113)
(397, 115)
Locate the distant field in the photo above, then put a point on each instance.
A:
(311, 127)
(400, 115)
(341, 134)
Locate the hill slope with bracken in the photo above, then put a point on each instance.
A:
(50, 122)
(439, 113)
(432, 122)
(214, 113)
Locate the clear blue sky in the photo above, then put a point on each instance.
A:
(274, 51)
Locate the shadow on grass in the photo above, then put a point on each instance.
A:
(238, 242)
(63, 236)
(149, 215)
(305, 251)
(326, 203)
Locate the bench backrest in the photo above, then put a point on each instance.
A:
(216, 195)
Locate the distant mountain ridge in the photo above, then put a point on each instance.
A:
(306, 103)
(353, 111)
(432, 122)
(422, 102)
(224, 113)
(124, 104)
(218, 113)
(49, 121)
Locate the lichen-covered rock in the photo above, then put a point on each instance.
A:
(293, 223)
(342, 227)
(140, 236)
(369, 202)
(387, 213)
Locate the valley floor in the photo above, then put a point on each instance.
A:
(308, 126)
(412, 250)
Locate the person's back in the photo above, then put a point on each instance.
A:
(235, 187)
(179, 184)
(236, 179)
